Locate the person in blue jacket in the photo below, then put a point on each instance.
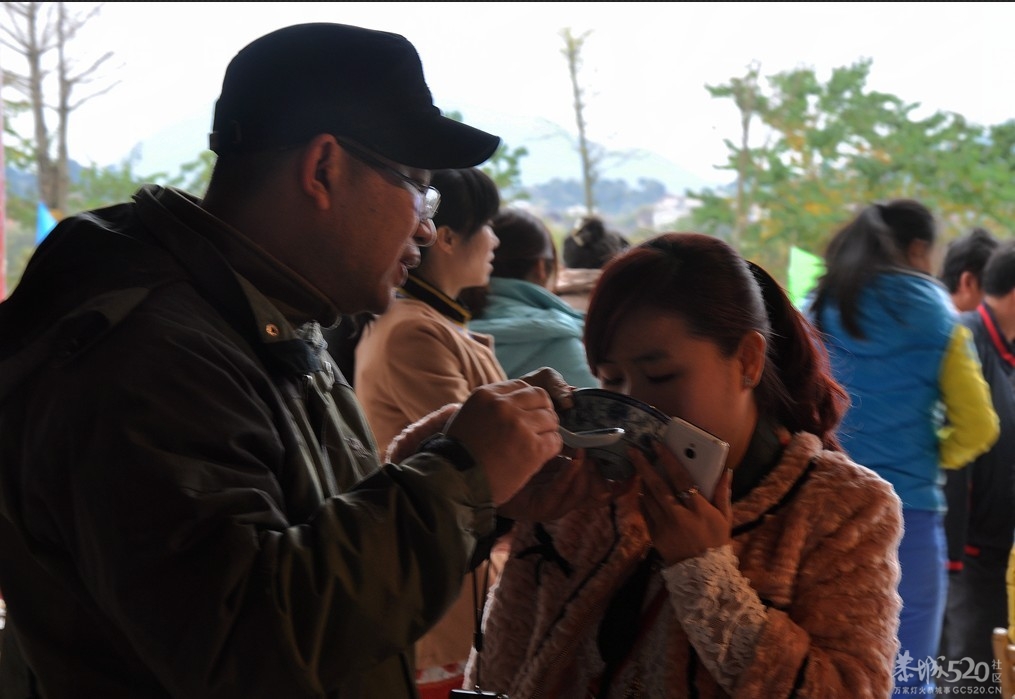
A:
(531, 326)
(919, 399)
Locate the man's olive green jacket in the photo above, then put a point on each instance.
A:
(191, 504)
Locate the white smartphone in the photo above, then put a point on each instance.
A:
(701, 453)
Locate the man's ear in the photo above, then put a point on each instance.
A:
(968, 282)
(918, 255)
(319, 168)
(539, 273)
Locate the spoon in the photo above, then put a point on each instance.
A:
(591, 438)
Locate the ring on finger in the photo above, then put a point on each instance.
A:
(685, 495)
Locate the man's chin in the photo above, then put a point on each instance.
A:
(376, 304)
(382, 302)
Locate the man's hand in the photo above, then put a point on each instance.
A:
(554, 384)
(510, 429)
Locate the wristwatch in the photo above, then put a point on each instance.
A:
(450, 449)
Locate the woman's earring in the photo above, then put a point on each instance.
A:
(748, 382)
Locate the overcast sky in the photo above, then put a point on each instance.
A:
(645, 64)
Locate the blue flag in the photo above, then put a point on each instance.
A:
(44, 223)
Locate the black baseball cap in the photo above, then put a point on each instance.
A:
(365, 85)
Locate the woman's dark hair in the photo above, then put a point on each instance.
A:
(469, 199)
(524, 241)
(722, 297)
(591, 245)
(874, 242)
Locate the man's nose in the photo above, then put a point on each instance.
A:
(425, 234)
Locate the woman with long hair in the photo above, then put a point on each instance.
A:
(896, 345)
(782, 585)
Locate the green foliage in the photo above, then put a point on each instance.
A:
(715, 215)
(17, 149)
(93, 187)
(195, 175)
(503, 168)
(19, 236)
(97, 186)
(831, 147)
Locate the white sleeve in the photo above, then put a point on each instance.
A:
(719, 610)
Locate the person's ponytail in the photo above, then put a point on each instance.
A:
(800, 386)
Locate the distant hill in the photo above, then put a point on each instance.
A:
(630, 185)
(170, 148)
(23, 184)
(551, 154)
(19, 184)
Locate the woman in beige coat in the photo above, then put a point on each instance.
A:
(783, 585)
(420, 356)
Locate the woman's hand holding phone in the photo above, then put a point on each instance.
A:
(701, 453)
(682, 522)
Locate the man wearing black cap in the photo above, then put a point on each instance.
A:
(191, 504)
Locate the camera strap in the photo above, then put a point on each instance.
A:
(625, 619)
(478, 607)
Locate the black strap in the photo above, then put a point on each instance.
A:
(478, 606)
(799, 682)
(618, 629)
(692, 672)
(502, 525)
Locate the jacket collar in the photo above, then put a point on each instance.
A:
(1000, 342)
(530, 294)
(257, 295)
(762, 456)
(416, 287)
(779, 483)
(296, 297)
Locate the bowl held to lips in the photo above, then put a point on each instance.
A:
(596, 409)
(702, 454)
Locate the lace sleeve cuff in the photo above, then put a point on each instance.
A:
(719, 610)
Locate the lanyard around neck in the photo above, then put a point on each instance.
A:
(416, 287)
(1000, 344)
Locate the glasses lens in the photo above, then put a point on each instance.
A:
(431, 200)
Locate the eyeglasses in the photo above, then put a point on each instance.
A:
(429, 198)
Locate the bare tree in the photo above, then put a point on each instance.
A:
(35, 30)
(747, 97)
(590, 159)
(595, 159)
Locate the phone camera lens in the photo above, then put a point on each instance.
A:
(690, 453)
